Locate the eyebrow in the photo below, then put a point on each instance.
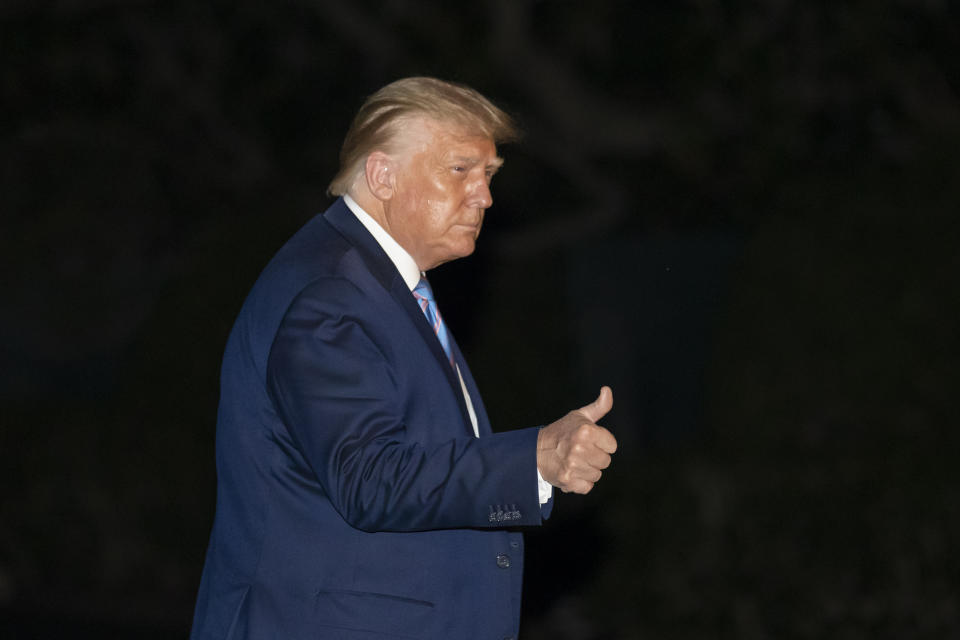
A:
(495, 164)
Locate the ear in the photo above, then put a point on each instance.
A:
(380, 174)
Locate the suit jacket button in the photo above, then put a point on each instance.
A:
(503, 561)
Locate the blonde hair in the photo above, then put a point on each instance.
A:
(380, 119)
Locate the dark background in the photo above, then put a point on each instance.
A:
(740, 215)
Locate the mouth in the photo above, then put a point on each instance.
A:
(471, 226)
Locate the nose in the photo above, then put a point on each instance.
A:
(480, 195)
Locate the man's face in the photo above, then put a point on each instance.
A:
(441, 191)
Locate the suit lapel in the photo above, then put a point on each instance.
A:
(385, 272)
(483, 422)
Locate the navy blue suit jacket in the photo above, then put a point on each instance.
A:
(353, 499)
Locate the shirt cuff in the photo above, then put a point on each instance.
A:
(545, 489)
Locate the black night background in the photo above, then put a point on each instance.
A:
(742, 216)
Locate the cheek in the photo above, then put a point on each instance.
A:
(439, 215)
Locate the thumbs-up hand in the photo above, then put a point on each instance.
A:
(572, 452)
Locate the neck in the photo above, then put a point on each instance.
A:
(376, 209)
(373, 207)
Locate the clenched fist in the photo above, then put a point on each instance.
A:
(573, 451)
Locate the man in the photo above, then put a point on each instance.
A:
(361, 492)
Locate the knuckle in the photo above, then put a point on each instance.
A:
(582, 434)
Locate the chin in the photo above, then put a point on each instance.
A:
(461, 251)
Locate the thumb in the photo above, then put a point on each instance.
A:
(599, 407)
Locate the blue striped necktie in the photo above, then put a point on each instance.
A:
(424, 295)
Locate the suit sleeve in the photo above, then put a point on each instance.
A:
(336, 390)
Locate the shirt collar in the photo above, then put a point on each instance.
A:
(402, 260)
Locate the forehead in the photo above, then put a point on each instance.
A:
(443, 140)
